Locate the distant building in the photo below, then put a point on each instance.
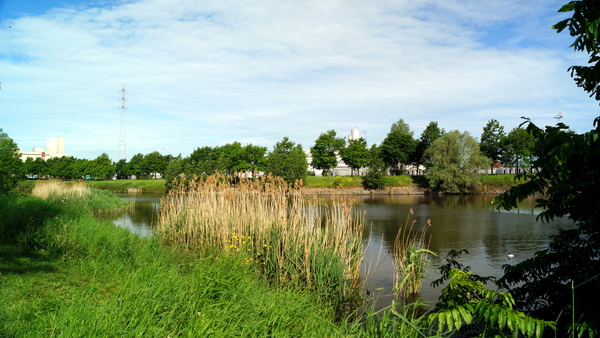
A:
(55, 147)
(341, 168)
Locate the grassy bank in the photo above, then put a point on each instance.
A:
(65, 273)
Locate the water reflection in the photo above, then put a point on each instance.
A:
(142, 218)
(458, 222)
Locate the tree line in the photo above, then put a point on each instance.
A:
(449, 158)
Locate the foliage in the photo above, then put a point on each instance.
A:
(397, 149)
(11, 166)
(431, 133)
(401, 127)
(287, 160)
(411, 256)
(324, 152)
(136, 166)
(469, 309)
(492, 139)
(376, 175)
(455, 157)
(518, 149)
(584, 25)
(569, 180)
(101, 168)
(356, 155)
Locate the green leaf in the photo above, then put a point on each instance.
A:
(466, 316)
(561, 25)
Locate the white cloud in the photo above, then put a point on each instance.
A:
(206, 73)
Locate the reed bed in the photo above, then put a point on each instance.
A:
(411, 257)
(288, 236)
(79, 195)
(49, 189)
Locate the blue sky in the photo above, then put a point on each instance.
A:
(206, 73)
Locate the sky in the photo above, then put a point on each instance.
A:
(206, 73)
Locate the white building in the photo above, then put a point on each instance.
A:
(55, 147)
(341, 168)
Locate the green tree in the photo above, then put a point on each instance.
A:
(287, 160)
(401, 127)
(102, 167)
(137, 166)
(11, 166)
(376, 175)
(155, 163)
(356, 155)
(518, 148)
(431, 133)
(324, 152)
(455, 158)
(397, 149)
(562, 281)
(121, 169)
(492, 140)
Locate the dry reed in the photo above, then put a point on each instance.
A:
(59, 189)
(291, 237)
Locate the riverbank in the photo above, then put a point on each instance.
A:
(65, 273)
(350, 185)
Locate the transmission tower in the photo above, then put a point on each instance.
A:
(123, 131)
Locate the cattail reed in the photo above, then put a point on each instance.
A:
(290, 237)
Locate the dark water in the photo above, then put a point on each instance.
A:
(457, 222)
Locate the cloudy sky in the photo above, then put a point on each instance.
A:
(205, 73)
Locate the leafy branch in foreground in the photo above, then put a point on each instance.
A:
(468, 308)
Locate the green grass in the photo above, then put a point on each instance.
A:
(65, 273)
(148, 186)
(356, 181)
(79, 276)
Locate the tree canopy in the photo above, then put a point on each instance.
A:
(431, 133)
(561, 283)
(455, 157)
(10, 162)
(356, 155)
(492, 140)
(324, 152)
(287, 160)
(397, 149)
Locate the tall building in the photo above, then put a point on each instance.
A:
(55, 147)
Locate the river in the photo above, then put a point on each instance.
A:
(457, 222)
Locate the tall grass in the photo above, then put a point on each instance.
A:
(99, 201)
(411, 259)
(289, 237)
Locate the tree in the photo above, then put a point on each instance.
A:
(401, 127)
(155, 163)
(397, 149)
(10, 162)
(492, 140)
(356, 155)
(287, 160)
(563, 281)
(518, 149)
(376, 175)
(324, 152)
(137, 166)
(455, 158)
(121, 169)
(431, 133)
(102, 167)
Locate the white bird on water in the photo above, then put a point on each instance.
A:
(510, 255)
